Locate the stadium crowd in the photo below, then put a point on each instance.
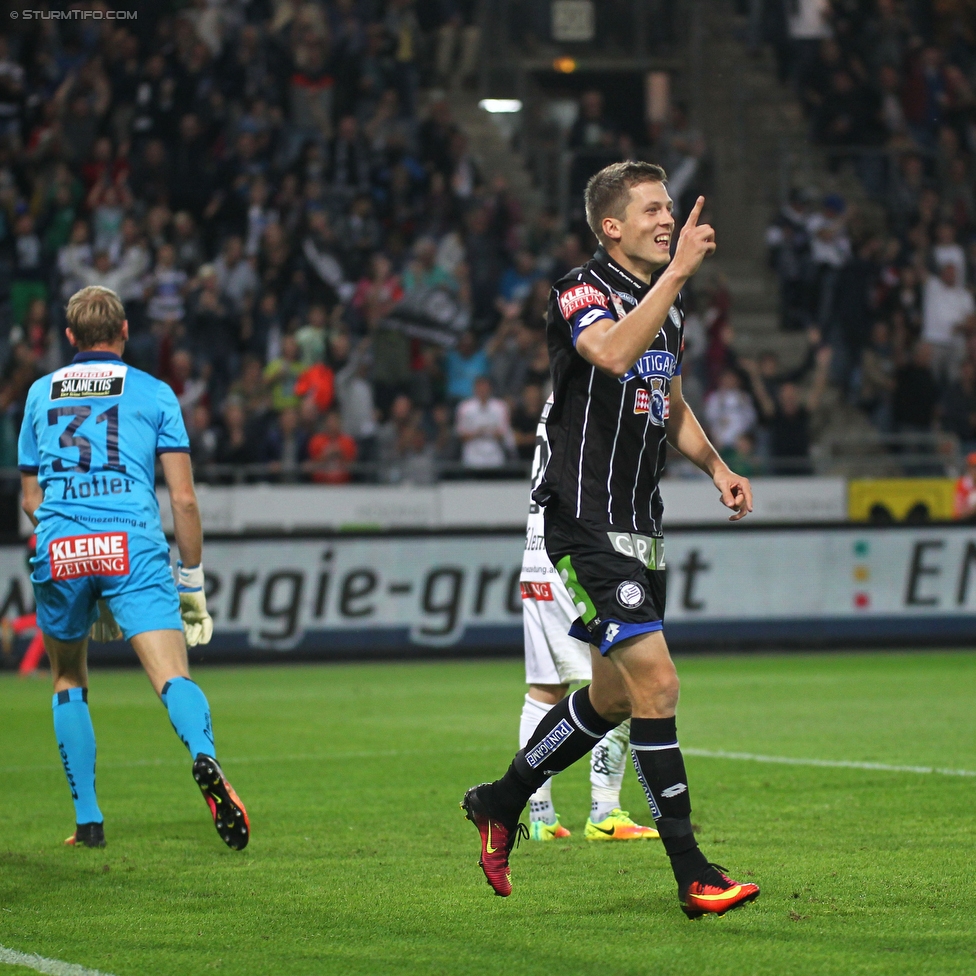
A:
(306, 248)
(310, 254)
(889, 89)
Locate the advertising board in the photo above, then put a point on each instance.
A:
(344, 596)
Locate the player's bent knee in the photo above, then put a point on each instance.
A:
(656, 693)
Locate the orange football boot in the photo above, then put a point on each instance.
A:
(716, 894)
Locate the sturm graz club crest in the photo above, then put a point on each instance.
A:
(653, 400)
(630, 594)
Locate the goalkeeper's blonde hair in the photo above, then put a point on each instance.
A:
(95, 316)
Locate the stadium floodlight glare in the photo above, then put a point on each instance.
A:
(500, 106)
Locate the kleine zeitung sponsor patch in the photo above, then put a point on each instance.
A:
(579, 297)
(94, 554)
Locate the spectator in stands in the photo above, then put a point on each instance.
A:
(854, 309)
(830, 250)
(807, 27)
(877, 378)
(236, 445)
(317, 382)
(916, 393)
(423, 272)
(947, 250)
(729, 412)
(204, 438)
(947, 308)
(419, 461)
(525, 420)
(957, 411)
(849, 115)
(76, 253)
(394, 439)
(235, 275)
(457, 43)
(377, 294)
(444, 439)
(743, 455)
(286, 445)
(463, 365)
(517, 281)
(355, 395)
(311, 337)
(331, 452)
(788, 240)
(281, 375)
(28, 273)
(165, 288)
(592, 130)
(510, 352)
(403, 448)
(484, 429)
(789, 417)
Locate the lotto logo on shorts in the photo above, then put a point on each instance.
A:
(536, 591)
(578, 297)
(99, 554)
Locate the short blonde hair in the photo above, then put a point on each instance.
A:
(95, 316)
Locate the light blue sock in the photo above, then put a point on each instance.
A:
(76, 743)
(189, 711)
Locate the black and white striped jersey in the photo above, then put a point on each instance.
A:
(606, 435)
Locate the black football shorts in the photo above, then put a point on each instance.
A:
(615, 576)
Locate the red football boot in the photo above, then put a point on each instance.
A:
(716, 893)
(497, 841)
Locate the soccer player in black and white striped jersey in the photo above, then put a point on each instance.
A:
(554, 660)
(615, 333)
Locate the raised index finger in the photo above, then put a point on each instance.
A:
(696, 210)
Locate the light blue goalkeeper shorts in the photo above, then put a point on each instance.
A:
(131, 572)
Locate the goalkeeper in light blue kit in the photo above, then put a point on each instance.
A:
(87, 454)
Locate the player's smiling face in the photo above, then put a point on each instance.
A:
(647, 227)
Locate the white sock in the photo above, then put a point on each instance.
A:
(540, 803)
(607, 764)
(599, 810)
(533, 712)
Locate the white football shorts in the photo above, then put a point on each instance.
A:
(552, 657)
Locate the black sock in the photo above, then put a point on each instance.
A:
(567, 733)
(661, 771)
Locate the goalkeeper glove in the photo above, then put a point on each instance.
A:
(197, 623)
(105, 629)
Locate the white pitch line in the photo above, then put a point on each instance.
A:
(393, 753)
(829, 763)
(53, 967)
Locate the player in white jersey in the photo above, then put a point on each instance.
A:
(553, 661)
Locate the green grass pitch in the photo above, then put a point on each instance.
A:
(361, 862)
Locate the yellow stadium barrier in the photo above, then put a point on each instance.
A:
(900, 499)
